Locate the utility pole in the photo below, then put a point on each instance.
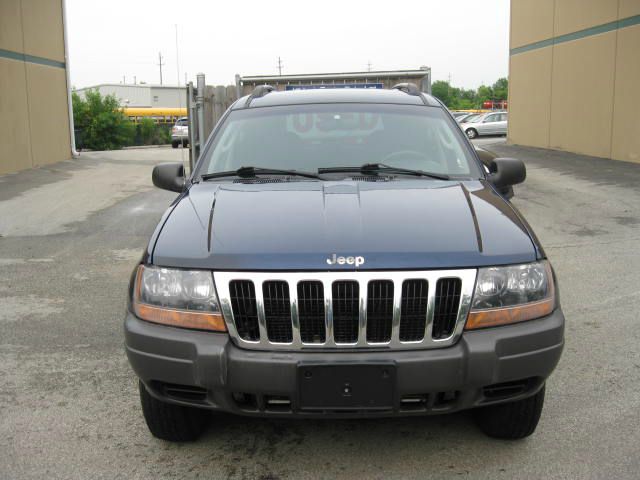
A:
(160, 64)
(369, 66)
(280, 66)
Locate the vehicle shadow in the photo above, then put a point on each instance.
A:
(365, 448)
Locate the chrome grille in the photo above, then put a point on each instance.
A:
(277, 311)
(245, 314)
(346, 311)
(446, 307)
(379, 311)
(329, 310)
(311, 312)
(413, 312)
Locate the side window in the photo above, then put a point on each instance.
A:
(490, 119)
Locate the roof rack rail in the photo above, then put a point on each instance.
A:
(259, 91)
(410, 89)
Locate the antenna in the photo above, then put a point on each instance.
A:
(160, 64)
(178, 58)
(280, 66)
(369, 66)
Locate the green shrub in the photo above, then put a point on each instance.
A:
(101, 121)
(147, 131)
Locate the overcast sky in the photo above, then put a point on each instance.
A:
(108, 40)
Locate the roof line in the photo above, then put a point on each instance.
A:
(336, 75)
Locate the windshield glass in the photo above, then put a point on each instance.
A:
(308, 137)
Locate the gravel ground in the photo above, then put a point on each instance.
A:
(71, 233)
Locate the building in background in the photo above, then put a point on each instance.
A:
(34, 105)
(142, 95)
(379, 79)
(574, 76)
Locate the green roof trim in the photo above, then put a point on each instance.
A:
(23, 57)
(587, 32)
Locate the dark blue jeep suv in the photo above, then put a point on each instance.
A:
(342, 253)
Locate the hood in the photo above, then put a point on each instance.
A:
(400, 224)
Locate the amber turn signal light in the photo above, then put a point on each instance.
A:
(502, 316)
(180, 318)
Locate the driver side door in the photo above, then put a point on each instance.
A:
(488, 125)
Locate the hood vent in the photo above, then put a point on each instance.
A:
(370, 178)
(260, 180)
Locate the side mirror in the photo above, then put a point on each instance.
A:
(169, 176)
(505, 172)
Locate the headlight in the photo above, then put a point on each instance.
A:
(182, 298)
(511, 294)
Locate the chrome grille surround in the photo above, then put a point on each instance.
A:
(467, 277)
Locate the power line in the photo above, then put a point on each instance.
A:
(160, 64)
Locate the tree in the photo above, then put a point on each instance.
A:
(102, 123)
(442, 90)
(461, 99)
(501, 89)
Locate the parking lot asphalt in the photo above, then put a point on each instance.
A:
(71, 233)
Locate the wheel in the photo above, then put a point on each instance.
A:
(471, 133)
(174, 423)
(512, 420)
(175, 144)
(185, 143)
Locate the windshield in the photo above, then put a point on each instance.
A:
(309, 137)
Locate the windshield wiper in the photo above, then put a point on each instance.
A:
(372, 168)
(250, 172)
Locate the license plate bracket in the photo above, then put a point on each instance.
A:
(346, 386)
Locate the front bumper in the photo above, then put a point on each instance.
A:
(207, 370)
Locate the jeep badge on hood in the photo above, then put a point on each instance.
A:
(357, 261)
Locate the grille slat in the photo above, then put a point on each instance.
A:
(379, 310)
(245, 312)
(346, 309)
(446, 307)
(311, 312)
(277, 311)
(346, 297)
(413, 310)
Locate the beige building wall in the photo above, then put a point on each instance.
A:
(574, 76)
(34, 117)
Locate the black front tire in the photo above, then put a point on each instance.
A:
(175, 144)
(174, 423)
(471, 133)
(512, 420)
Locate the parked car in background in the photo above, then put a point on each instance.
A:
(493, 123)
(180, 132)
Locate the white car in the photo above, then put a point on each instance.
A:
(492, 123)
(180, 132)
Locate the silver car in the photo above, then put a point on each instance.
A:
(180, 132)
(492, 123)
